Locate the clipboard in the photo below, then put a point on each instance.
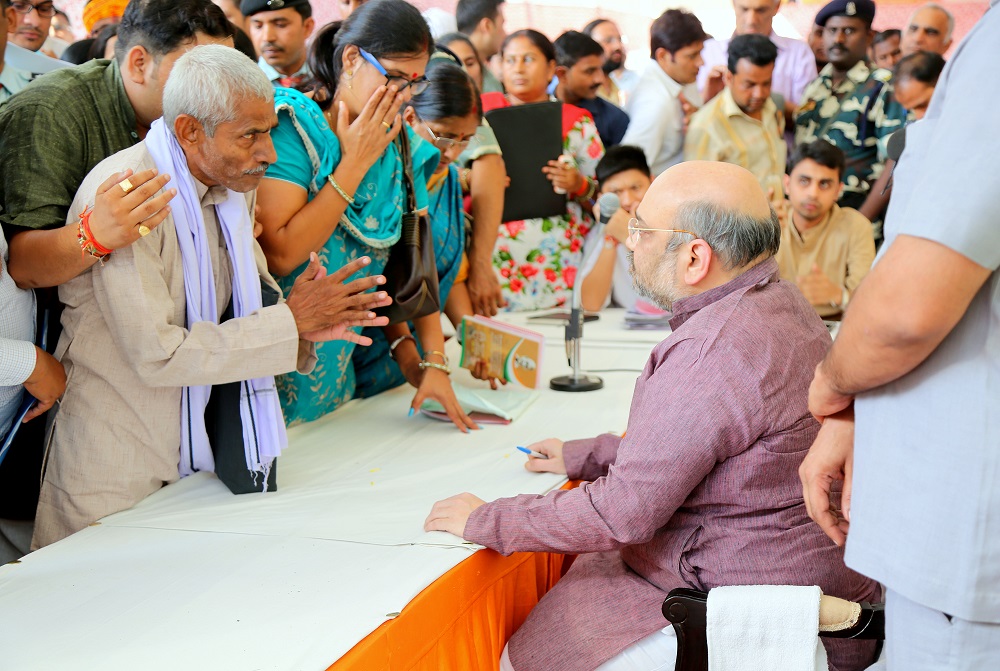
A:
(530, 136)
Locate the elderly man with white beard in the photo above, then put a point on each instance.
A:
(142, 341)
(702, 490)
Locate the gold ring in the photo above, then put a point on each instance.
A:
(143, 230)
(126, 186)
(388, 126)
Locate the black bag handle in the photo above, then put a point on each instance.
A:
(403, 145)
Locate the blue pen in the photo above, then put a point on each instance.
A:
(533, 453)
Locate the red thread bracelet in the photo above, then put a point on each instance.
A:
(88, 243)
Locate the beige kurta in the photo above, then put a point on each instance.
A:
(721, 131)
(842, 246)
(115, 436)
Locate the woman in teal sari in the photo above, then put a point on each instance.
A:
(446, 116)
(337, 187)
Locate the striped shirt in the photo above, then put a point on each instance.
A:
(17, 336)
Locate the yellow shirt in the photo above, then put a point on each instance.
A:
(842, 246)
(721, 131)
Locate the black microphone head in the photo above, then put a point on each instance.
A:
(896, 143)
(609, 204)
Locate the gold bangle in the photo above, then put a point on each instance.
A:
(343, 194)
(424, 365)
(444, 357)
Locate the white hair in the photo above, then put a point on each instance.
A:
(948, 16)
(208, 82)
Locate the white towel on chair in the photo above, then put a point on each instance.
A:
(764, 627)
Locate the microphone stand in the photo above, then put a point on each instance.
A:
(579, 381)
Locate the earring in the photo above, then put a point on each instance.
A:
(350, 76)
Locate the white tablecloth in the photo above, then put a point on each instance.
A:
(196, 578)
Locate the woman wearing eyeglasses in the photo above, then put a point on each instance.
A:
(446, 115)
(537, 259)
(337, 189)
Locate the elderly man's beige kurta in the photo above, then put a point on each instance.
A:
(115, 437)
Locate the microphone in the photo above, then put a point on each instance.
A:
(608, 204)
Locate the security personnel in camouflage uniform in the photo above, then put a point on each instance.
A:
(849, 104)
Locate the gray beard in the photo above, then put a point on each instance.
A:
(662, 293)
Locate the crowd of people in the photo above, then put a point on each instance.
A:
(201, 194)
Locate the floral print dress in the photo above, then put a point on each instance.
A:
(536, 260)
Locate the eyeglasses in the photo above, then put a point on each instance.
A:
(418, 85)
(46, 9)
(635, 231)
(444, 143)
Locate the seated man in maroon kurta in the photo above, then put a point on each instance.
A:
(703, 490)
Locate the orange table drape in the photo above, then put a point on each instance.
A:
(462, 620)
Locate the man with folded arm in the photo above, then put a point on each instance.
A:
(142, 340)
(702, 490)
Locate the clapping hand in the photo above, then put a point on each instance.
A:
(327, 308)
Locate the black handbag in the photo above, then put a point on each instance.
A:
(411, 277)
(224, 425)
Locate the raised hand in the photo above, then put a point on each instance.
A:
(377, 125)
(687, 109)
(325, 307)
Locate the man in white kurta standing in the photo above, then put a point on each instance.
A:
(142, 342)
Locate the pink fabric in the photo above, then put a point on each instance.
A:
(702, 491)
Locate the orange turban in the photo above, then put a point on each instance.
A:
(102, 9)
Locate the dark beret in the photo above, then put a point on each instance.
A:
(251, 7)
(862, 9)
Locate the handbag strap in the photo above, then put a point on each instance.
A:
(403, 144)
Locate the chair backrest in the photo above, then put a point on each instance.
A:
(686, 610)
